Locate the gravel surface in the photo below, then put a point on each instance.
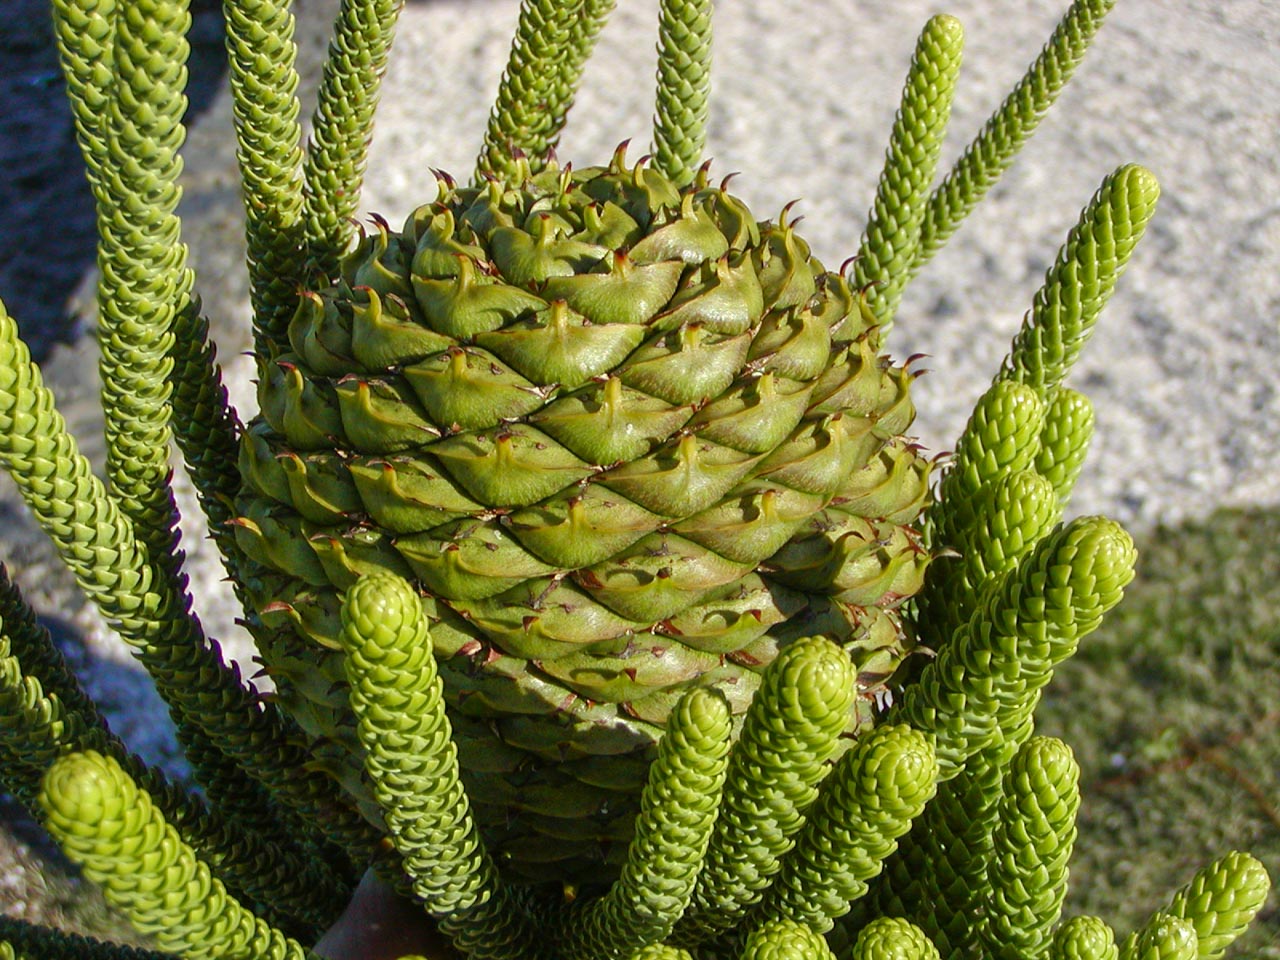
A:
(1183, 369)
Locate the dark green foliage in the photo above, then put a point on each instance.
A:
(264, 82)
(684, 86)
(891, 241)
(892, 938)
(1162, 938)
(25, 941)
(45, 715)
(995, 147)
(785, 940)
(1081, 280)
(552, 43)
(1031, 844)
(789, 734)
(677, 814)
(341, 131)
(871, 797)
(397, 698)
(1083, 938)
(1221, 900)
(987, 679)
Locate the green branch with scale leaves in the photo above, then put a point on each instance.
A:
(580, 532)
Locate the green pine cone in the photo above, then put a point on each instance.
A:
(893, 938)
(623, 437)
(1083, 938)
(1221, 901)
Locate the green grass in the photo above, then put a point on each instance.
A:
(1173, 710)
